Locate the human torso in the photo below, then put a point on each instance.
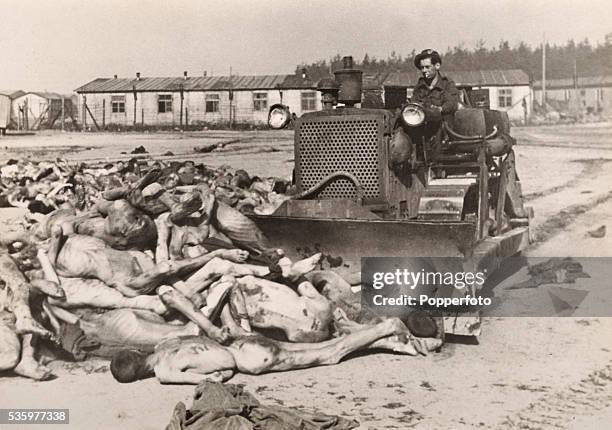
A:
(431, 94)
(190, 232)
(196, 353)
(90, 257)
(131, 328)
(273, 305)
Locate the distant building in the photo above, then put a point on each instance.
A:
(247, 99)
(36, 109)
(6, 107)
(380, 92)
(193, 100)
(588, 94)
(506, 90)
(5, 110)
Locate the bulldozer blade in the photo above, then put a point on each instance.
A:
(345, 241)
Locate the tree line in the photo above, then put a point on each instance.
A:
(579, 58)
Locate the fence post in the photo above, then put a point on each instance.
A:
(231, 108)
(181, 115)
(63, 112)
(135, 99)
(103, 113)
(93, 118)
(84, 114)
(26, 116)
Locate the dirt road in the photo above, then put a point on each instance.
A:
(522, 373)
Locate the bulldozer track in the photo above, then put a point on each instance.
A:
(194, 156)
(590, 169)
(52, 153)
(246, 145)
(557, 409)
(564, 218)
(557, 145)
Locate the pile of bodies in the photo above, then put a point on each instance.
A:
(46, 186)
(158, 267)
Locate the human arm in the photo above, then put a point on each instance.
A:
(174, 299)
(171, 376)
(450, 98)
(164, 231)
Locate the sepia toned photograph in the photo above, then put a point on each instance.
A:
(284, 215)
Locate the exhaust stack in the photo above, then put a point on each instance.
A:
(350, 81)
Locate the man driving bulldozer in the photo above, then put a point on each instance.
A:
(436, 92)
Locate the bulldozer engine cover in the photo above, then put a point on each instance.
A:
(347, 139)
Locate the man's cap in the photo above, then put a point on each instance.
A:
(425, 53)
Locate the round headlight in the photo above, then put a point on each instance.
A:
(279, 116)
(413, 114)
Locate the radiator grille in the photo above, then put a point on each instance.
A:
(330, 146)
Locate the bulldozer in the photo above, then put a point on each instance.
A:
(381, 183)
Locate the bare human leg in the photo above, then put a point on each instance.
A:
(28, 366)
(95, 293)
(10, 347)
(404, 343)
(147, 281)
(216, 268)
(257, 355)
(293, 271)
(19, 301)
(176, 300)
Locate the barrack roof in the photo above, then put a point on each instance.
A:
(237, 82)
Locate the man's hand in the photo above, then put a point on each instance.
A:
(433, 113)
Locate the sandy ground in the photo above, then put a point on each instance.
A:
(535, 373)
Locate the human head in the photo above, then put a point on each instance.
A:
(241, 179)
(171, 181)
(129, 366)
(420, 324)
(428, 62)
(127, 224)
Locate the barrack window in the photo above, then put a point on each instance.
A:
(212, 103)
(118, 104)
(505, 97)
(260, 101)
(164, 103)
(309, 101)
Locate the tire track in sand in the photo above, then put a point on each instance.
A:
(553, 214)
(557, 409)
(590, 169)
(564, 218)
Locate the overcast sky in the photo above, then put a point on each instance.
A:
(59, 45)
